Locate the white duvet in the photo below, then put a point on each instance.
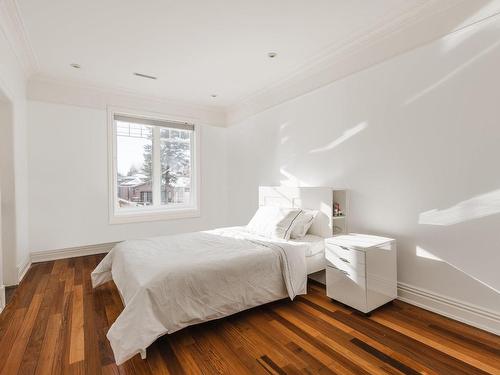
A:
(171, 282)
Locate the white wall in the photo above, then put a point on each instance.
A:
(416, 140)
(68, 186)
(7, 190)
(14, 204)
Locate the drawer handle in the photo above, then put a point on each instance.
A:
(345, 272)
(345, 248)
(344, 260)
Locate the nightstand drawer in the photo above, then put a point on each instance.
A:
(349, 289)
(351, 261)
(346, 254)
(351, 270)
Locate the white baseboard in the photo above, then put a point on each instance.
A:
(23, 268)
(71, 252)
(464, 312)
(473, 315)
(2, 297)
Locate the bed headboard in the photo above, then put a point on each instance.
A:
(313, 198)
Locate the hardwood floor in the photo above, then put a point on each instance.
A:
(56, 324)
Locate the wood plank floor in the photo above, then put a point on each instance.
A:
(56, 324)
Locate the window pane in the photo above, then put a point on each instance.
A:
(175, 157)
(134, 164)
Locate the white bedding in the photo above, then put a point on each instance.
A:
(313, 244)
(171, 282)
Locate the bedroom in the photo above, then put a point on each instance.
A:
(378, 118)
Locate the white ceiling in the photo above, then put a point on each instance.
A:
(195, 48)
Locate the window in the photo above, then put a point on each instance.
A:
(153, 168)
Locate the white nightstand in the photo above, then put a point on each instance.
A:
(361, 270)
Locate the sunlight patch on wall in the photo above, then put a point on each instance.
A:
(487, 12)
(284, 126)
(425, 254)
(451, 74)
(470, 209)
(291, 179)
(465, 30)
(344, 137)
(454, 40)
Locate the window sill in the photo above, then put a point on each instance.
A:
(145, 216)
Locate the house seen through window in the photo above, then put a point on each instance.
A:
(153, 164)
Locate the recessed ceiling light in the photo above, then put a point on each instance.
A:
(145, 76)
(76, 66)
(272, 55)
(213, 95)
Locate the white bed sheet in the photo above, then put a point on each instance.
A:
(171, 282)
(314, 244)
(316, 263)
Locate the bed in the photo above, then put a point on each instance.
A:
(170, 282)
(314, 247)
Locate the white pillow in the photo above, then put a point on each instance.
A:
(303, 223)
(273, 222)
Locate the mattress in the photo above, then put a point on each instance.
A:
(314, 244)
(315, 263)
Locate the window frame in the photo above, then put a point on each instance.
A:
(151, 213)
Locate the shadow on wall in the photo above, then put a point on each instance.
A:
(474, 239)
(425, 254)
(458, 222)
(431, 119)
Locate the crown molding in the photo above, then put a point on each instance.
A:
(338, 48)
(392, 36)
(116, 90)
(12, 26)
(50, 89)
(396, 33)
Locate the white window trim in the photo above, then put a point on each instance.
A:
(155, 213)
